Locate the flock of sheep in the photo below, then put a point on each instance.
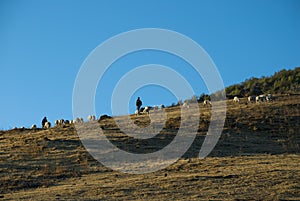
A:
(145, 110)
(60, 122)
(257, 99)
(250, 99)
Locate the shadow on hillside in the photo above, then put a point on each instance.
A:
(263, 134)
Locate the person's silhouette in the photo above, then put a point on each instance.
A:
(44, 121)
(138, 104)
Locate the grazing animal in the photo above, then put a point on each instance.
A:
(92, 118)
(260, 98)
(155, 107)
(185, 105)
(270, 97)
(47, 124)
(143, 110)
(146, 110)
(158, 107)
(251, 99)
(206, 102)
(257, 99)
(77, 120)
(33, 126)
(59, 122)
(236, 99)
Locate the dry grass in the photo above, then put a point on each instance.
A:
(257, 157)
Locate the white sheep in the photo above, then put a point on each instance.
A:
(185, 105)
(47, 124)
(59, 122)
(91, 117)
(155, 107)
(236, 99)
(206, 102)
(146, 110)
(251, 99)
(33, 126)
(260, 98)
(77, 120)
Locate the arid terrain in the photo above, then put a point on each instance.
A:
(256, 158)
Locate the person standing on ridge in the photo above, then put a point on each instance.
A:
(138, 104)
(44, 121)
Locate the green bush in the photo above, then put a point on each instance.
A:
(284, 81)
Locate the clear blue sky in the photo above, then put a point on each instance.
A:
(43, 44)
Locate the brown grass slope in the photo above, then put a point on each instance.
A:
(257, 157)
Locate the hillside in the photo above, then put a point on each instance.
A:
(257, 157)
(282, 82)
